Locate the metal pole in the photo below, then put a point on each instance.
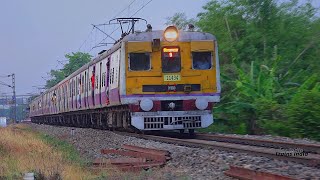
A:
(14, 97)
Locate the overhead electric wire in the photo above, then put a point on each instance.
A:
(109, 35)
(142, 7)
(123, 10)
(134, 14)
(2, 83)
(119, 27)
(104, 24)
(86, 39)
(103, 32)
(4, 76)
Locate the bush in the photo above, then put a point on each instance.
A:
(271, 118)
(276, 127)
(304, 115)
(218, 126)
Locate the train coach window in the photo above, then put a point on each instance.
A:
(201, 60)
(139, 61)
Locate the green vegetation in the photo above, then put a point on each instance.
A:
(269, 53)
(23, 150)
(75, 61)
(180, 21)
(68, 151)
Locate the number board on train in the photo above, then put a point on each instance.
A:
(172, 77)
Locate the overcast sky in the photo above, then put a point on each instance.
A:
(34, 34)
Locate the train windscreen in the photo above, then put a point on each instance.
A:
(171, 60)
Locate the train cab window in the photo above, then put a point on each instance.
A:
(139, 61)
(201, 60)
(171, 61)
(82, 83)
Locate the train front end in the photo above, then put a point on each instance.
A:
(172, 79)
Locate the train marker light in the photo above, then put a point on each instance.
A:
(201, 104)
(146, 104)
(171, 34)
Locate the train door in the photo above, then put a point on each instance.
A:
(49, 102)
(75, 81)
(97, 91)
(74, 99)
(85, 88)
(61, 99)
(114, 78)
(70, 94)
(103, 82)
(100, 83)
(77, 93)
(58, 99)
(79, 86)
(64, 97)
(91, 93)
(45, 103)
(83, 92)
(74, 94)
(108, 81)
(52, 103)
(67, 95)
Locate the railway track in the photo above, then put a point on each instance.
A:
(310, 148)
(272, 149)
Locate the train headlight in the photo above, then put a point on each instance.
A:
(171, 34)
(201, 104)
(146, 104)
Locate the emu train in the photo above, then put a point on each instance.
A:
(151, 80)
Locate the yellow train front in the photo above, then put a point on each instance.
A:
(172, 79)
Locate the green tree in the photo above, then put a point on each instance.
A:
(75, 61)
(180, 20)
(268, 50)
(251, 30)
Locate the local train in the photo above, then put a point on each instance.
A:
(151, 80)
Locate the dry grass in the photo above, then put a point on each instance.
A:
(24, 151)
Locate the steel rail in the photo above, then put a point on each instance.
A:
(309, 158)
(315, 148)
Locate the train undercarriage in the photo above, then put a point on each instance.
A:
(111, 118)
(118, 118)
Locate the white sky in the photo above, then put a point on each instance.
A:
(34, 34)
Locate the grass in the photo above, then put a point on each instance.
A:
(24, 151)
(69, 153)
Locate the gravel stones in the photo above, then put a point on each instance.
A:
(191, 163)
